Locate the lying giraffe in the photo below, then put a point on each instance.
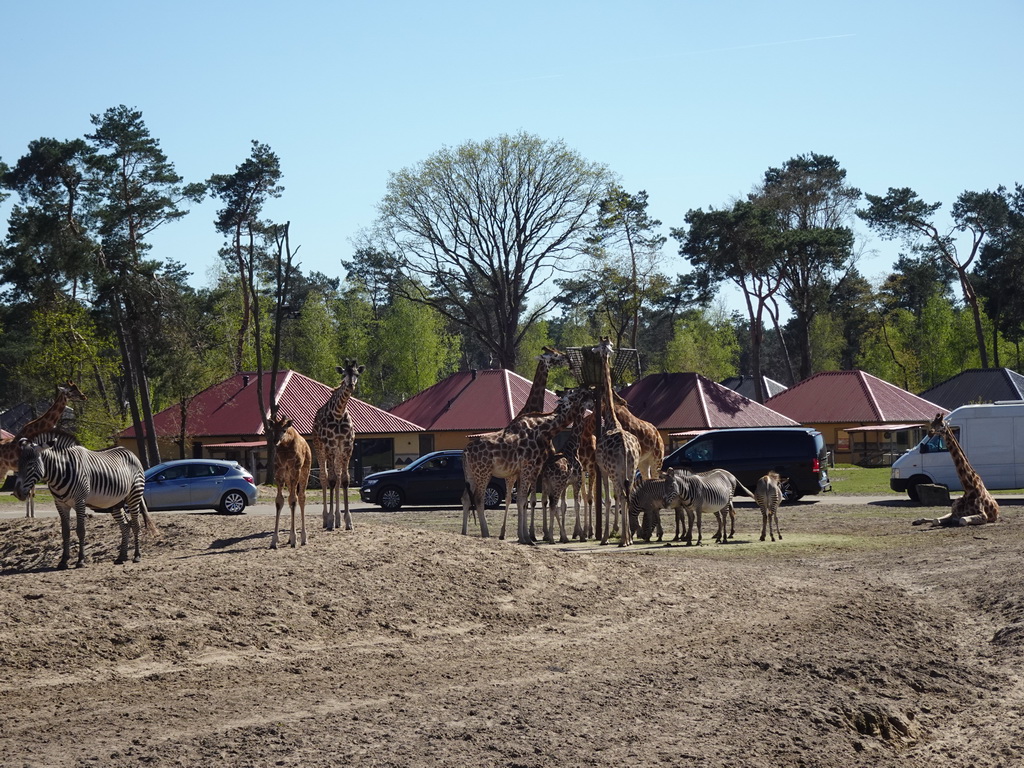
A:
(976, 506)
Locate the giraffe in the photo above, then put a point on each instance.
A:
(551, 358)
(50, 418)
(587, 455)
(617, 452)
(520, 449)
(561, 470)
(333, 440)
(292, 462)
(652, 445)
(976, 506)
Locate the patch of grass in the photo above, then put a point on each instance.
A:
(850, 480)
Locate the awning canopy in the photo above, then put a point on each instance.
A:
(251, 444)
(885, 428)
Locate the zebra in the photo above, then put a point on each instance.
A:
(708, 492)
(111, 480)
(768, 496)
(648, 499)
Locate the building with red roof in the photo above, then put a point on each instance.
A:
(682, 405)
(224, 422)
(468, 403)
(864, 419)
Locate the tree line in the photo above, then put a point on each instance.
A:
(480, 256)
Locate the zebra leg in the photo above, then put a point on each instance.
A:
(121, 517)
(732, 520)
(775, 515)
(80, 529)
(765, 522)
(133, 522)
(65, 535)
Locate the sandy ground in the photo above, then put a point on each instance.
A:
(858, 640)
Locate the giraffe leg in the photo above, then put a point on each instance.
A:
(302, 511)
(279, 501)
(292, 538)
(344, 499)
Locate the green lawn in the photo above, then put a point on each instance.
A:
(849, 479)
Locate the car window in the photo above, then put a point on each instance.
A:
(203, 470)
(171, 473)
(700, 450)
(437, 464)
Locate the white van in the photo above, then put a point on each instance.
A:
(991, 435)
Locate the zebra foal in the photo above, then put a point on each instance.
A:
(108, 481)
(768, 495)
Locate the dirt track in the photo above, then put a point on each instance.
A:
(856, 641)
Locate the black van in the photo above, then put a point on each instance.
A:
(796, 453)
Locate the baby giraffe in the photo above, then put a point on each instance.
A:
(292, 462)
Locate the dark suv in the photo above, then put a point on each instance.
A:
(798, 454)
(435, 478)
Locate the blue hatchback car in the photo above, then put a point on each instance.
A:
(200, 484)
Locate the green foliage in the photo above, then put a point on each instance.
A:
(705, 343)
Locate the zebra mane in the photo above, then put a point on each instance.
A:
(55, 438)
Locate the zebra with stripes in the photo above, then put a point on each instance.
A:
(708, 492)
(645, 505)
(111, 480)
(768, 495)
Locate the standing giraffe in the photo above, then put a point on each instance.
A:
(333, 439)
(50, 418)
(976, 506)
(551, 358)
(561, 470)
(618, 452)
(652, 445)
(520, 449)
(292, 462)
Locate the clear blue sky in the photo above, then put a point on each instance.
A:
(691, 101)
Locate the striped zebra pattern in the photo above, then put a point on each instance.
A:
(709, 492)
(768, 495)
(109, 481)
(645, 505)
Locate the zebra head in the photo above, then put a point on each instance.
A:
(30, 469)
(679, 489)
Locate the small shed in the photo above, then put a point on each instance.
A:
(977, 386)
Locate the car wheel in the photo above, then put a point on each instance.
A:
(233, 503)
(391, 498)
(790, 492)
(493, 497)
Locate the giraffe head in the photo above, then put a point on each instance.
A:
(350, 373)
(278, 427)
(938, 425)
(552, 358)
(71, 391)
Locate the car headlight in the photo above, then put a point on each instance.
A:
(370, 482)
(896, 474)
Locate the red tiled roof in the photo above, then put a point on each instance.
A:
(232, 408)
(688, 401)
(842, 397)
(478, 401)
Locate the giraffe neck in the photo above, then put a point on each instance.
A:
(969, 479)
(611, 420)
(49, 419)
(535, 401)
(339, 400)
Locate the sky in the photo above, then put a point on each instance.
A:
(691, 101)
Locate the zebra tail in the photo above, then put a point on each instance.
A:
(744, 490)
(151, 528)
